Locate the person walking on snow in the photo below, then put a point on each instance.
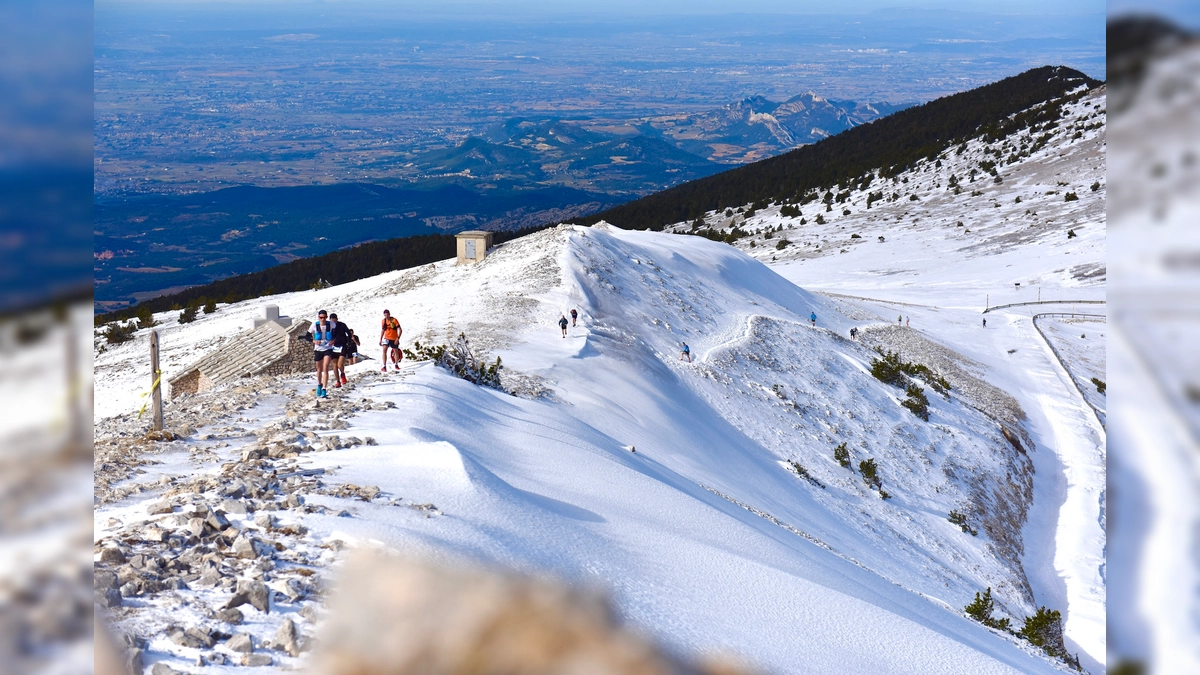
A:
(686, 353)
(389, 339)
(322, 336)
(813, 318)
(899, 320)
(906, 322)
(574, 316)
(341, 348)
(854, 333)
(562, 323)
(985, 322)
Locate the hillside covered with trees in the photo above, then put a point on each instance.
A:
(856, 156)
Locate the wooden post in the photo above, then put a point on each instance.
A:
(987, 301)
(156, 382)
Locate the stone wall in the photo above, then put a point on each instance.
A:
(299, 359)
(188, 383)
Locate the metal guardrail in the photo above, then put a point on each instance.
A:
(1061, 362)
(1102, 317)
(1046, 302)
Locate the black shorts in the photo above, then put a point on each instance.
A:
(394, 344)
(320, 355)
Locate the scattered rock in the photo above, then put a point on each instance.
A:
(253, 593)
(246, 548)
(256, 660)
(163, 669)
(159, 508)
(234, 506)
(241, 643)
(194, 638)
(233, 616)
(198, 527)
(309, 612)
(108, 598)
(287, 638)
(111, 555)
(264, 520)
(104, 579)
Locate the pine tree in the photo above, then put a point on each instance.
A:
(842, 455)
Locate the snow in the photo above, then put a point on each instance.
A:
(1154, 370)
(703, 536)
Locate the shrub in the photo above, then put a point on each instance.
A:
(1100, 385)
(789, 211)
(782, 244)
(803, 473)
(981, 610)
(118, 332)
(889, 369)
(855, 236)
(1070, 197)
(459, 359)
(210, 306)
(145, 317)
(870, 473)
(1071, 234)
(1095, 186)
(917, 402)
(960, 519)
(914, 198)
(820, 219)
(188, 315)
(1045, 629)
(845, 212)
(842, 455)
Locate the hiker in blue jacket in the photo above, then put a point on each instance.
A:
(562, 323)
(813, 318)
(686, 353)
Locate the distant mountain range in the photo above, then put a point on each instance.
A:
(644, 155)
(756, 127)
(567, 154)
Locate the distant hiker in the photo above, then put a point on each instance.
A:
(985, 322)
(355, 343)
(906, 322)
(813, 318)
(686, 353)
(322, 335)
(341, 345)
(389, 339)
(854, 333)
(574, 316)
(562, 323)
(899, 319)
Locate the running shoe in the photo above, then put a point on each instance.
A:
(320, 391)
(344, 379)
(337, 385)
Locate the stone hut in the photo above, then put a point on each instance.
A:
(473, 246)
(269, 349)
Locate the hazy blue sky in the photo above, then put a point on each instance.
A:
(635, 7)
(1185, 12)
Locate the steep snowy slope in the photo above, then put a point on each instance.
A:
(936, 256)
(707, 535)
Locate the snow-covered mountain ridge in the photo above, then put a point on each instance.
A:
(706, 535)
